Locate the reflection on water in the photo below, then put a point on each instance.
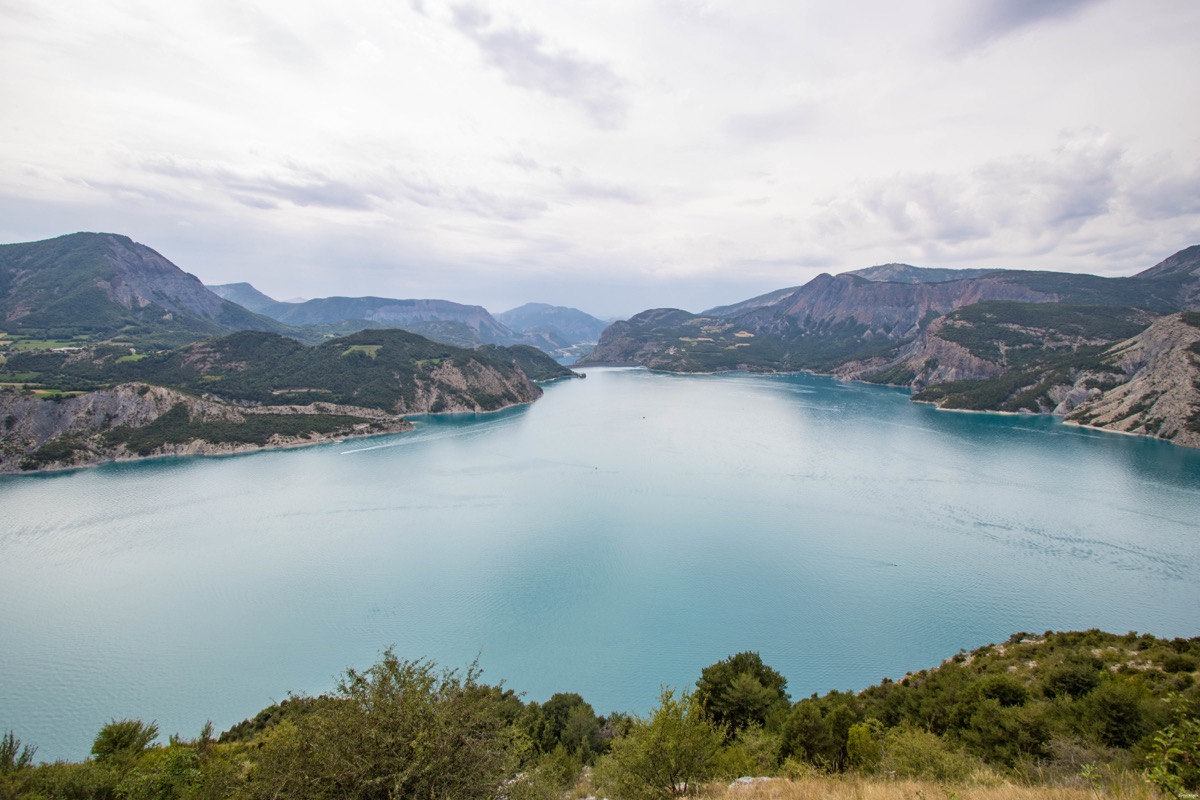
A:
(622, 532)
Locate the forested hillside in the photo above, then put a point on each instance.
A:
(246, 390)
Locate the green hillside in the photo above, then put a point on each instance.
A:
(95, 286)
(383, 369)
(1071, 712)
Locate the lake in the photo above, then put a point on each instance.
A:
(623, 532)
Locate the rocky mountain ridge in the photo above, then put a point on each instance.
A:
(1002, 340)
(549, 328)
(103, 285)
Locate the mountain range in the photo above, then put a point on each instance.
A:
(1009, 340)
(98, 286)
(554, 329)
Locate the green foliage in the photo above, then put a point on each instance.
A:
(1004, 689)
(1006, 735)
(864, 744)
(1073, 677)
(1173, 763)
(899, 375)
(669, 754)
(1121, 712)
(1020, 333)
(909, 752)
(400, 729)
(291, 708)
(754, 751)
(1024, 388)
(163, 774)
(176, 427)
(740, 691)
(817, 730)
(14, 755)
(1155, 294)
(567, 721)
(90, 780)
(1037, 708)
(123, 739)
(56, 451)
(374, 369)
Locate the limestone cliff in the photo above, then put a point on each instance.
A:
(931, 359)
(102, 425)
(1160, 395)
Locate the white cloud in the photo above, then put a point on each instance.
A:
(636, 151)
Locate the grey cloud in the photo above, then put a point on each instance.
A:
(1026, 199)
(132, 193)
(988, 21)
(303, 186)
(1161, 189)
(578, 185)
(774, 125)
(532, 165)
(469, 200)
(526, 60)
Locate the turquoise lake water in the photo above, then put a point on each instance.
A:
(621, 533)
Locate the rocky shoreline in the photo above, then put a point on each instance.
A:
(41, 435)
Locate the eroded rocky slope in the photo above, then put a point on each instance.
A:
(136, 420)
(1160, 393)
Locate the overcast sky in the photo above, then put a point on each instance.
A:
(611, 155)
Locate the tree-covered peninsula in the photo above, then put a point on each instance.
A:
(66, 407)
(1062, 715)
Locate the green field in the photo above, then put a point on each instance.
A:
(43, 344)
(368, 349)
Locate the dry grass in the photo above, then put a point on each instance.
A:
(857, 788)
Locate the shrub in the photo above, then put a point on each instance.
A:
(399, 729)
(665, 755)
(913, 753)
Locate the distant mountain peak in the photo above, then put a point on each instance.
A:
(246, 296)
(561, 324)
(906, 273)
(1185, 263)
(101, 284)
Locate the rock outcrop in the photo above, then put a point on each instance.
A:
(1160, 395)
(930, 359)
(79, 431)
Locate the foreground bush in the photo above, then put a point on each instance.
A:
(401, 729)
(669, 754)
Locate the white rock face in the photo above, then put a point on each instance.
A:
(29, 423)
(1160, 396)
